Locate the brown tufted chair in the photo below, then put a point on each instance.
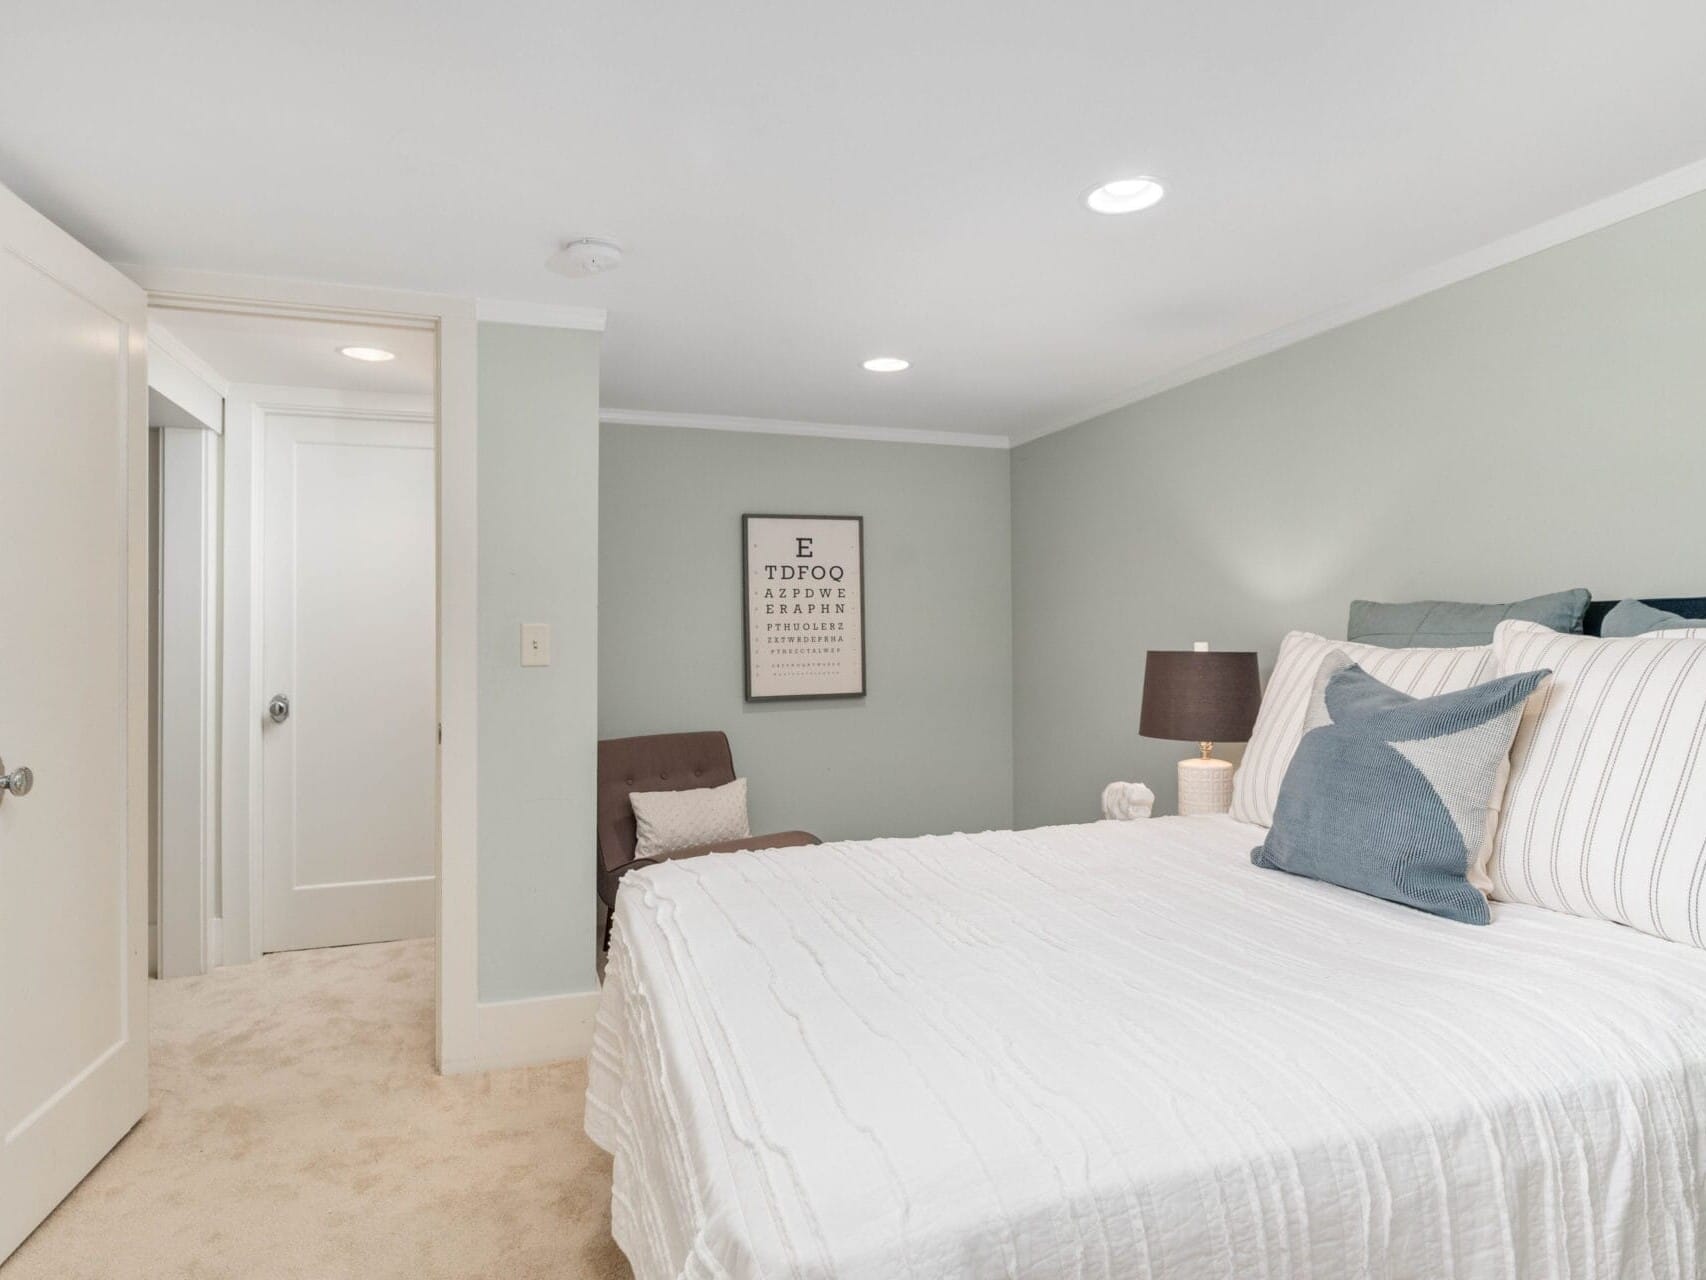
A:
(661, 762)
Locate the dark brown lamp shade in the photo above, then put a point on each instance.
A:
(1200, 696)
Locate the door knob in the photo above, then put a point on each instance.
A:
(279, 708)
(18, 782)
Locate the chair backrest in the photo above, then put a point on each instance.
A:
(655, 762)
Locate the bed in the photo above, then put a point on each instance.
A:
(1119, 1050)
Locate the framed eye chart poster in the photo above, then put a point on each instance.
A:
(805, 606)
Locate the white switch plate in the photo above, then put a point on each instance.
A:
(536, 644)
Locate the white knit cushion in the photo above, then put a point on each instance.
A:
(669, 820)
(1605, 814)
(1421, 673)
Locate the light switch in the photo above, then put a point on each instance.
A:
(536, 644)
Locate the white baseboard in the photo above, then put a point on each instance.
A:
(528, 1033)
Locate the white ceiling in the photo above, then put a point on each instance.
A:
(304, 353)
(800, 186)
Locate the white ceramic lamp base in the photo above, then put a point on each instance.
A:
(1205, 786)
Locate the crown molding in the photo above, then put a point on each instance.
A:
(543, 315)
(783, 427)
(1644, 197)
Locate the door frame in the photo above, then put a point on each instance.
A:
(186, 674)
(186, 401)
(455, 460)
(251, 407)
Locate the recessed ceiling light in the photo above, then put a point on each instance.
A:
(373, 355)
(887, 364)
(1125, 195)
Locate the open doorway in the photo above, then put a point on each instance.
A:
(294, 577)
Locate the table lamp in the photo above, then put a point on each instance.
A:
(1201, 697)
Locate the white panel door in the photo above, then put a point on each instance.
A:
(73, 711)
(350, 819)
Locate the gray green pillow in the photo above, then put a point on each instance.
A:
(1449, 624)
(1390, 795)
(1636, 618)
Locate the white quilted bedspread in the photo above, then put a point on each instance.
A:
(1119, 1050)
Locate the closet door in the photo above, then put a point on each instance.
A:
(349, 740)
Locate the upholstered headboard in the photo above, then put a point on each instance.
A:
(1684, 606)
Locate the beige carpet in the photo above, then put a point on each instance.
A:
(297, 1129)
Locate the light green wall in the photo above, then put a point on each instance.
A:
(1538, 427)
(929, 749)
(538, 562)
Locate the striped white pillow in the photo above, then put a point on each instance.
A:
(1605, 814)
(1422, 673)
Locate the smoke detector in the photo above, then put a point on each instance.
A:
(587, 256)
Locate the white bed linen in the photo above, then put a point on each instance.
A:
(1119, 1050)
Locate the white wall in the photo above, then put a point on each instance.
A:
(538, 559)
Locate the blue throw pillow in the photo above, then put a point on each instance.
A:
(1389, 794)
(1636, 618)
(1449, 624)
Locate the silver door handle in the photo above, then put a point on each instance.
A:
(18, 782)
(279, 708)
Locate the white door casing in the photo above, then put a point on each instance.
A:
(349, 808)
(186, 414)
(187, 699)
(74, 709)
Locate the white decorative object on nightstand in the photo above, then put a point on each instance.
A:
(1127, 800)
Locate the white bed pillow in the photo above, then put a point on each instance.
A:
(665, 821)
(1421, 673)
(1605, 813)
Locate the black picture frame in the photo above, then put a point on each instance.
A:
(746, 609)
